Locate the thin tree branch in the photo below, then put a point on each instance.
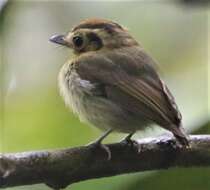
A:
(60, 168)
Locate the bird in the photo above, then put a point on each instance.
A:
(112, 83)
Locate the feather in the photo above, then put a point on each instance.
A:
(131, 81)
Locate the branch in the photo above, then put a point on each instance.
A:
(60, 168)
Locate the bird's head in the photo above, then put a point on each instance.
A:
(95, 34)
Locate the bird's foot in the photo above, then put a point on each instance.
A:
(132, 143)
(98, 144)
(128, 141)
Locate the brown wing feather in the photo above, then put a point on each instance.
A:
(132, 72)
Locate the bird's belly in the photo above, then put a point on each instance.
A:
(96, 110)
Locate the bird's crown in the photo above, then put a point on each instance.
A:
(96, 23)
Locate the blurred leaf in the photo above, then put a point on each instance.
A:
(173, 179)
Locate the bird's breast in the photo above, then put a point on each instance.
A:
(74, 90)
(87, 100)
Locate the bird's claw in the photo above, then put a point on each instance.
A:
(128, 141)
(131, 143)
(98, 144)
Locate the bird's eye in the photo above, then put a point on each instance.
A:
(78, 41)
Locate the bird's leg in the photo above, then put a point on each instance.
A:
(98, 143)
(102, 137)
(127, 139)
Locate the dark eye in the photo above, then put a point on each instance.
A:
(78, 41)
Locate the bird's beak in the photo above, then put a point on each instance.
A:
(60, 39)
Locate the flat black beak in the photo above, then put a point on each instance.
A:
(59, 39)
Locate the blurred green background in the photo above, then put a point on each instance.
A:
(33, 115)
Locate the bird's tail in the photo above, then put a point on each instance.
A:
(181, 135)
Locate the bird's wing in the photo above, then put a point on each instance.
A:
(130, 79)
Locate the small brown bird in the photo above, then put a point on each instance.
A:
(112, 83)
